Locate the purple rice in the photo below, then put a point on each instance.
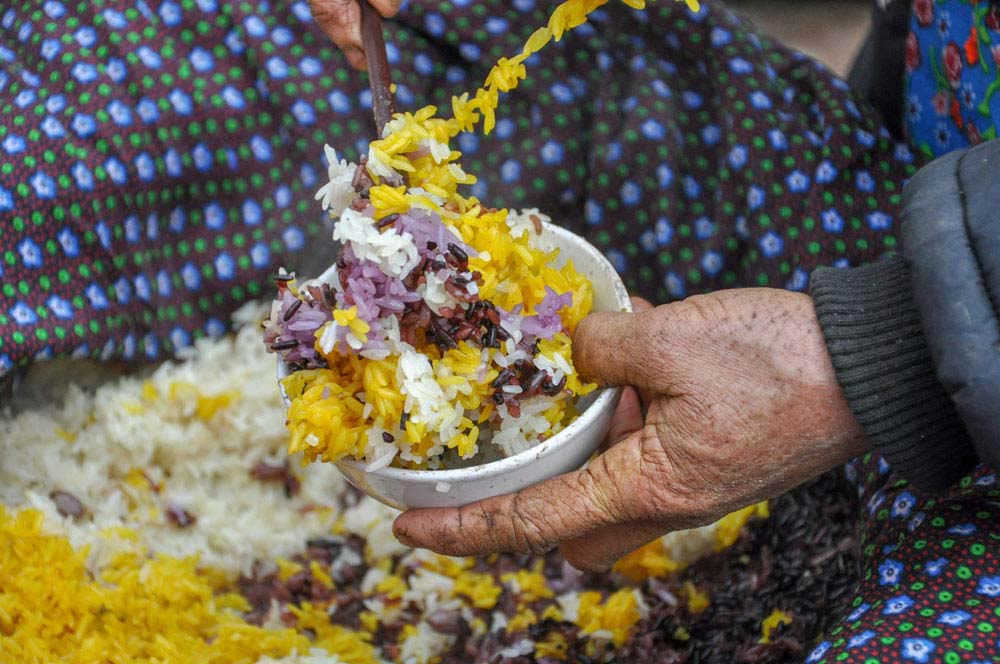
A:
(180, 517)
(67, 504)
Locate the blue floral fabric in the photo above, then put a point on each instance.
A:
(930, 586)
(952, 62)
(930, 582)
(158, 161)
(160, 158)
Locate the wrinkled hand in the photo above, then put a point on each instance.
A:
(341, 21)
(742, 404)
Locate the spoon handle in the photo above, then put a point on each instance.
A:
(383, 103)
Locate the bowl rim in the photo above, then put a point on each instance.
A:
(606, 397)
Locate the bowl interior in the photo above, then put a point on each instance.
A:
(610, 294)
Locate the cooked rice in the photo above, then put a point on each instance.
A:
(172, 591)
(379, 349)
(365, 391)
(191, 432)
(136, 520)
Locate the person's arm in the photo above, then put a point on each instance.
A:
(915, 339)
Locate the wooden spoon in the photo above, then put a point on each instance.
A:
(379, 78)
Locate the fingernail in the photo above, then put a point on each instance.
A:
(403, 538)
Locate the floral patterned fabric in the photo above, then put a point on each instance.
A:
(160, 158)
(930, 588)
(159, 161)
(952, 62)
(930, 583)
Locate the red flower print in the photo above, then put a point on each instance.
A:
(941, 103)
(993, 18)
(924, 9)
(972, 131)
(912, 52)
(956, 113)
(972, 47)
(952, 59)
(996, 55)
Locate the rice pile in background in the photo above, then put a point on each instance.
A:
(161, 518)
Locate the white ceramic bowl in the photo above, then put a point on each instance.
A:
(568, 450)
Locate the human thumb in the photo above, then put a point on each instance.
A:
(613, 348)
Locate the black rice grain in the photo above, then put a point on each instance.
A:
(502, 378)
(387, 221)
(266, 472)
(458, 252)
(802, 560)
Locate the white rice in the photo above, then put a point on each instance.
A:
(394, 253)
(425, 645)
(89, 445)
(434, 293)
(337, 193)
(521, 433)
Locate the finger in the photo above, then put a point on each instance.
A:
(603, 346)
(536, 518)
(645, 396)
(387, 8)
(627, 419)
(341, 21)
(599, 551)
(640, 304)
(613, 348)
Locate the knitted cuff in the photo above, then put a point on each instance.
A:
(873, 332)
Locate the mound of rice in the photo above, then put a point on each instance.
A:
(462, 347)
(161, 519)
(164, 520)
(447, 323)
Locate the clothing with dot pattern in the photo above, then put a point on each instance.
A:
(159, 160)
(160, 157)
(930, 586)
(930, 578)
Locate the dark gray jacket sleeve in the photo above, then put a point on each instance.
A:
(915, 338)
